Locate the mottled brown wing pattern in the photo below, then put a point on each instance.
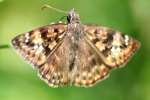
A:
(35, 46)
(115, 48)
(56, 70)
(88, 67)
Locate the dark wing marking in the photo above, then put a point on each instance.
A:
(115, 48)
(35, 46)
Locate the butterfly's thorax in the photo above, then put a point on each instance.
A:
(74, 27)
(74, 33)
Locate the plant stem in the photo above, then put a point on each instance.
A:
(4, 46)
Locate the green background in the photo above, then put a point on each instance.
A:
(18, 81)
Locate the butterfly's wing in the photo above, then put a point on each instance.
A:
(89, 68)
(114, 47)
(57, 70)
(37, 46)
(100, 50)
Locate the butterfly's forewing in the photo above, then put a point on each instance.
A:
(89, 68)
(35, 46)
(114, 47)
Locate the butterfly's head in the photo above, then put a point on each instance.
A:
(73, 17)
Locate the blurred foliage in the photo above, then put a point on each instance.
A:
(19, 82)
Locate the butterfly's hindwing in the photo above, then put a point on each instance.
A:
(88, 66)
(56, 70)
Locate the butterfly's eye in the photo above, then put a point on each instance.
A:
(68, 18)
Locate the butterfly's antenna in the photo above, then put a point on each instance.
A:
(53, 8)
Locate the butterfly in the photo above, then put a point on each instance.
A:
(74, 53)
